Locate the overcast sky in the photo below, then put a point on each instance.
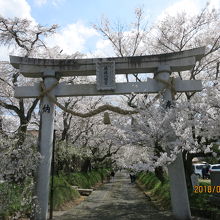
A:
(75, 18)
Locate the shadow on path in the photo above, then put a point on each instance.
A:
(118, 200)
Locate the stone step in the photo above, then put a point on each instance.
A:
(85, 192)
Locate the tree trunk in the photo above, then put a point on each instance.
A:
(159, 172)
(86, 166)
(187, 160)
(22, 131)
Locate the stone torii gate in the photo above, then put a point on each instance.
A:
(51, 70)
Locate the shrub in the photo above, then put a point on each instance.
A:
(159, 191)
(63, 192)
(86, 180)
(78, 179)
(17, 199)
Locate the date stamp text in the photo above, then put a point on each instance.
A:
(206, 189)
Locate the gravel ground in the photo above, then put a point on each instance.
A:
(117, 200)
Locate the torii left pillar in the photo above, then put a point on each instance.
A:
(47, 110)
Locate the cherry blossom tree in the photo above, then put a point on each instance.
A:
(173, 34)
(17, 167)
(184, 31)
(27, 38)
(90, 141)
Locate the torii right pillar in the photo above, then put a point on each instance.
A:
(178, 187)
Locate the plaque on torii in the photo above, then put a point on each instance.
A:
(105, 69)
(105, 76)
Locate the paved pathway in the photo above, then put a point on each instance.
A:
(118, 200)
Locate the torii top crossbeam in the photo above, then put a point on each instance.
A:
(105, 70)
(178, 61)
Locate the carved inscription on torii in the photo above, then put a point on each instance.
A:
(105, 76)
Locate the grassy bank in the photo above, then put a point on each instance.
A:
(10, 199)
(202, 204)
(160, 194)
(86, 180)
(63, 190)
(16, 199)
(12, 196)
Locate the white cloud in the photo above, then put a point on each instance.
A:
(72, 38)
(103, 48)
(188, 6)
(191, 8)
(43, 2)
(10, 9)
(4, 55)
(214, 4)
(15, 8)
(40, 2)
